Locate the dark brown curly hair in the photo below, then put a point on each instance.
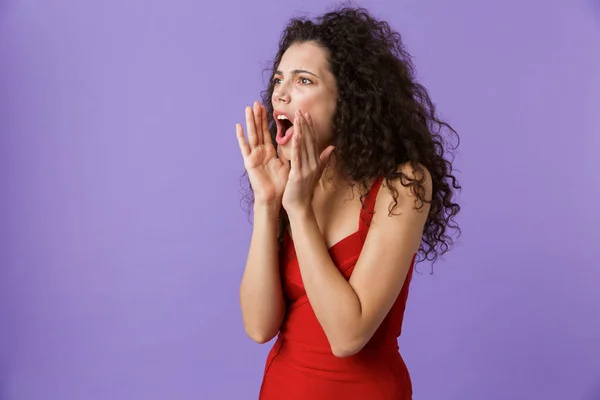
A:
(384, 118)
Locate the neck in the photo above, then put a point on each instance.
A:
(331, 175)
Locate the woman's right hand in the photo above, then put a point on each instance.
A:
(268, 174)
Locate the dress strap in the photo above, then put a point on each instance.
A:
(366, 212)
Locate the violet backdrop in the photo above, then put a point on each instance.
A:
(122, 236)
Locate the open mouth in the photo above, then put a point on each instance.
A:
(285, 128)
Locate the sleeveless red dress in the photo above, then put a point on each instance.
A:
(301, 366)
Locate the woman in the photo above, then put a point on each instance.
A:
(350, 185)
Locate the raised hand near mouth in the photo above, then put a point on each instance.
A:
(268, 174)
(307, 165)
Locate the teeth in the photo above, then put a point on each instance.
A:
(282, 117)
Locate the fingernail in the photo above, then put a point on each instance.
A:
(307, 116)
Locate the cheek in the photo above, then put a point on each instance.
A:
(323, 125)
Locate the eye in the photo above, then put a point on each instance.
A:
(276, 81)
(305, 81)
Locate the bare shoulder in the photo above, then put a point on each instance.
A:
(392, 242)
(410, 192)
(401, 210)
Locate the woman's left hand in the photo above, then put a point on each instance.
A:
(307, 165)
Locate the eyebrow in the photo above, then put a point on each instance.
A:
(297, 71)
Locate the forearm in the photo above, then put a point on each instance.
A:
(334, 301)
(261, 295)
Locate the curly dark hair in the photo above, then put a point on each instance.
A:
(383, 119)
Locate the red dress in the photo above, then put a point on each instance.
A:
(301, 366)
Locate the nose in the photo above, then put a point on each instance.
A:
(281, 94)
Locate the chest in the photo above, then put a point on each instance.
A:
(337, 214)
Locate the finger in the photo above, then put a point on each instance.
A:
(301, 137)
(313, 133)
(258, 122)
(252, 139)
(310, 141)
(296, 162)
(309, 123)
(304, 139)
(326, 155)
(265, 126)
(245, 149)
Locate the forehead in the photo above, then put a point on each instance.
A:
(307, 56)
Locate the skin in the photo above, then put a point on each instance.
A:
(349, 311)
(303, 82)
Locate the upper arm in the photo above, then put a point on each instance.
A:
(388, 251)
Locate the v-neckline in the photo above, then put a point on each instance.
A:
(330, 248)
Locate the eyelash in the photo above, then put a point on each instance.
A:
(275, 81)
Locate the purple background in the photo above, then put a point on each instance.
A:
(122, 236)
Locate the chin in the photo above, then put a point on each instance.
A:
(286, 150)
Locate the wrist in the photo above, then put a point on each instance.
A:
(271, 209)
(300, 214)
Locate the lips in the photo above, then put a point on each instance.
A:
(285, 127)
